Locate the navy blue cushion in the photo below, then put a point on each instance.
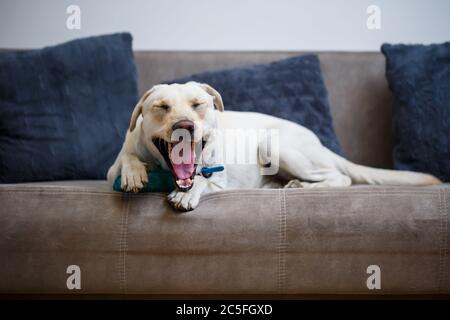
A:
(64, 110)
(419, 77)
(292, 89)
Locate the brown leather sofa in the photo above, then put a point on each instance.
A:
(271, 241)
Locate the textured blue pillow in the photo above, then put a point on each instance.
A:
(292, 89)
(419, 77)
(64, 110)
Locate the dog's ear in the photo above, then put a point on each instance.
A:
(138, 109)
(213, 92)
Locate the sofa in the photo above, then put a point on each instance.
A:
(277, 242)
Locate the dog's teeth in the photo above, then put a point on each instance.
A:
(184, 183)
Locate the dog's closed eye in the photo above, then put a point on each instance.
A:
(197, 104)
(164, 107)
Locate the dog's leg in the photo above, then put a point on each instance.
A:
(188, 200)
(134, 173)
(309, 174)
(333, 179)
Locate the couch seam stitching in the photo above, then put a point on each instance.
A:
(441, 239)
(126, 247)
(119, 241)
(119, 260)
(162, 195)
(443, 255)
(123, 246)
(322, 194)
(286, 239)
(282, 243)
(76, 192)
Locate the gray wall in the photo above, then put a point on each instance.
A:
(228, 24)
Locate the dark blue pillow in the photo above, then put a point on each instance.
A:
(419, 77)
(292, 89)
(64, 110)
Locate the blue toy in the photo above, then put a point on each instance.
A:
(208, 171)
(162, 180)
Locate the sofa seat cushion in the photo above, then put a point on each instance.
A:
(239, 241)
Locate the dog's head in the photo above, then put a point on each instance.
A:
(177, 119)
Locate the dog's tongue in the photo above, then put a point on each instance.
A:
(184, 170)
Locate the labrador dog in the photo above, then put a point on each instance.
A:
(179, 127)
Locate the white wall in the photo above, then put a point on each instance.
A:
(228, 24)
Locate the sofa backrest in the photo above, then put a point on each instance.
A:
(359, 95)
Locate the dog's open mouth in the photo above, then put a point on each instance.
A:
(180, 158)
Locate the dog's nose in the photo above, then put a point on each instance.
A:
(184, 124)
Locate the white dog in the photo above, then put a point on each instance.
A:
(294, 152)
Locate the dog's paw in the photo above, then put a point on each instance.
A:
(432, 180)
(184, 201)
(134, 177)
(295, 183)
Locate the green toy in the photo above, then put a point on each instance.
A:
(162, 180)
(159, 181)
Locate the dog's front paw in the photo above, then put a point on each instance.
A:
(295, 183)
(184, 201)
(134, 177)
